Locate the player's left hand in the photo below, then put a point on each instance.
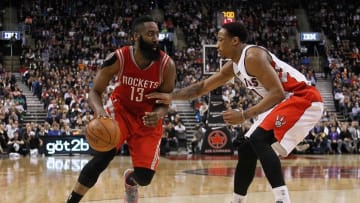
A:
(233, 116)
(151, 118)
(161, 98)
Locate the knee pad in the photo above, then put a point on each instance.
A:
(92, 170)
(143, 176)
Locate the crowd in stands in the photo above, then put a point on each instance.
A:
(71, 39)
(12, 109)
(340, 22)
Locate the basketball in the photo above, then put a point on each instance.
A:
(102, 134)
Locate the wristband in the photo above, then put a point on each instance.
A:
(243, 115)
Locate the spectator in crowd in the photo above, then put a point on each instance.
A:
(172, 114)
(355, 133)
(10, 128)
(164, 145)
(180, 133)
(202, 111)
(17, 145)
(334, 140)
(355, 112)
(66, 131)
(171, 136)
(317, 139)
(3, 138)
(197, 139)
(42, 131)
(346, 138)
(35, 144)
(55, 130)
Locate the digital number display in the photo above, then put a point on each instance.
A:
(228, 17)
(228, 14)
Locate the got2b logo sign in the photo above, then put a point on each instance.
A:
(65, 145)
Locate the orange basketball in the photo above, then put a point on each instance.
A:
(102, 134)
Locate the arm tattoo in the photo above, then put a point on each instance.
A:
(189, 92)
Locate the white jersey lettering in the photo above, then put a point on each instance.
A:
(289, 76)
(138, 82)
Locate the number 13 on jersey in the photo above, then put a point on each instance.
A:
(137, 94)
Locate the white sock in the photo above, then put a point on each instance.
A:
(281, 194)
(238, 198)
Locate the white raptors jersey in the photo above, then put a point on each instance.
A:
(290, 78)
(291, 119)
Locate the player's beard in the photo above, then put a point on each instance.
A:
(147, 50)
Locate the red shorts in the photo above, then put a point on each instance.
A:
(143, 141)
(292, 119)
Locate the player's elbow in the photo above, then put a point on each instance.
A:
(279, 95)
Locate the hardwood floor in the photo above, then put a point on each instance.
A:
(181, 179)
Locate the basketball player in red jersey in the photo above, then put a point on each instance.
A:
(290, 107)
(138, 70)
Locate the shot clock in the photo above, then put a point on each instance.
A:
(225, 17)
(228, 16)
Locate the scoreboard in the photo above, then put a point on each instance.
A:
(225, 17)
(228, 16)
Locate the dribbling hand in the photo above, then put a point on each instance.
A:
(101, 114)
(151, 118)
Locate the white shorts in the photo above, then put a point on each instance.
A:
(291, 121)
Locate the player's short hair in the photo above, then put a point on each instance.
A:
(236, 29)
(139, 22)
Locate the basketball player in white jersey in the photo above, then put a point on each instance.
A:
(290, 107)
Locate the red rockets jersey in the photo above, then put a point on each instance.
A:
(133, 83)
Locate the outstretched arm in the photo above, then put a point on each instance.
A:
(197, 89)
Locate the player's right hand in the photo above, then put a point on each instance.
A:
(160, 98)
(101, 114)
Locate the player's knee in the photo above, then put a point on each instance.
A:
(91, 171)
(143, 176)
(102, 159)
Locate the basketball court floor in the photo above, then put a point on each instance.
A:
(181, 179)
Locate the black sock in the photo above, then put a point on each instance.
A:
(74, 197)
